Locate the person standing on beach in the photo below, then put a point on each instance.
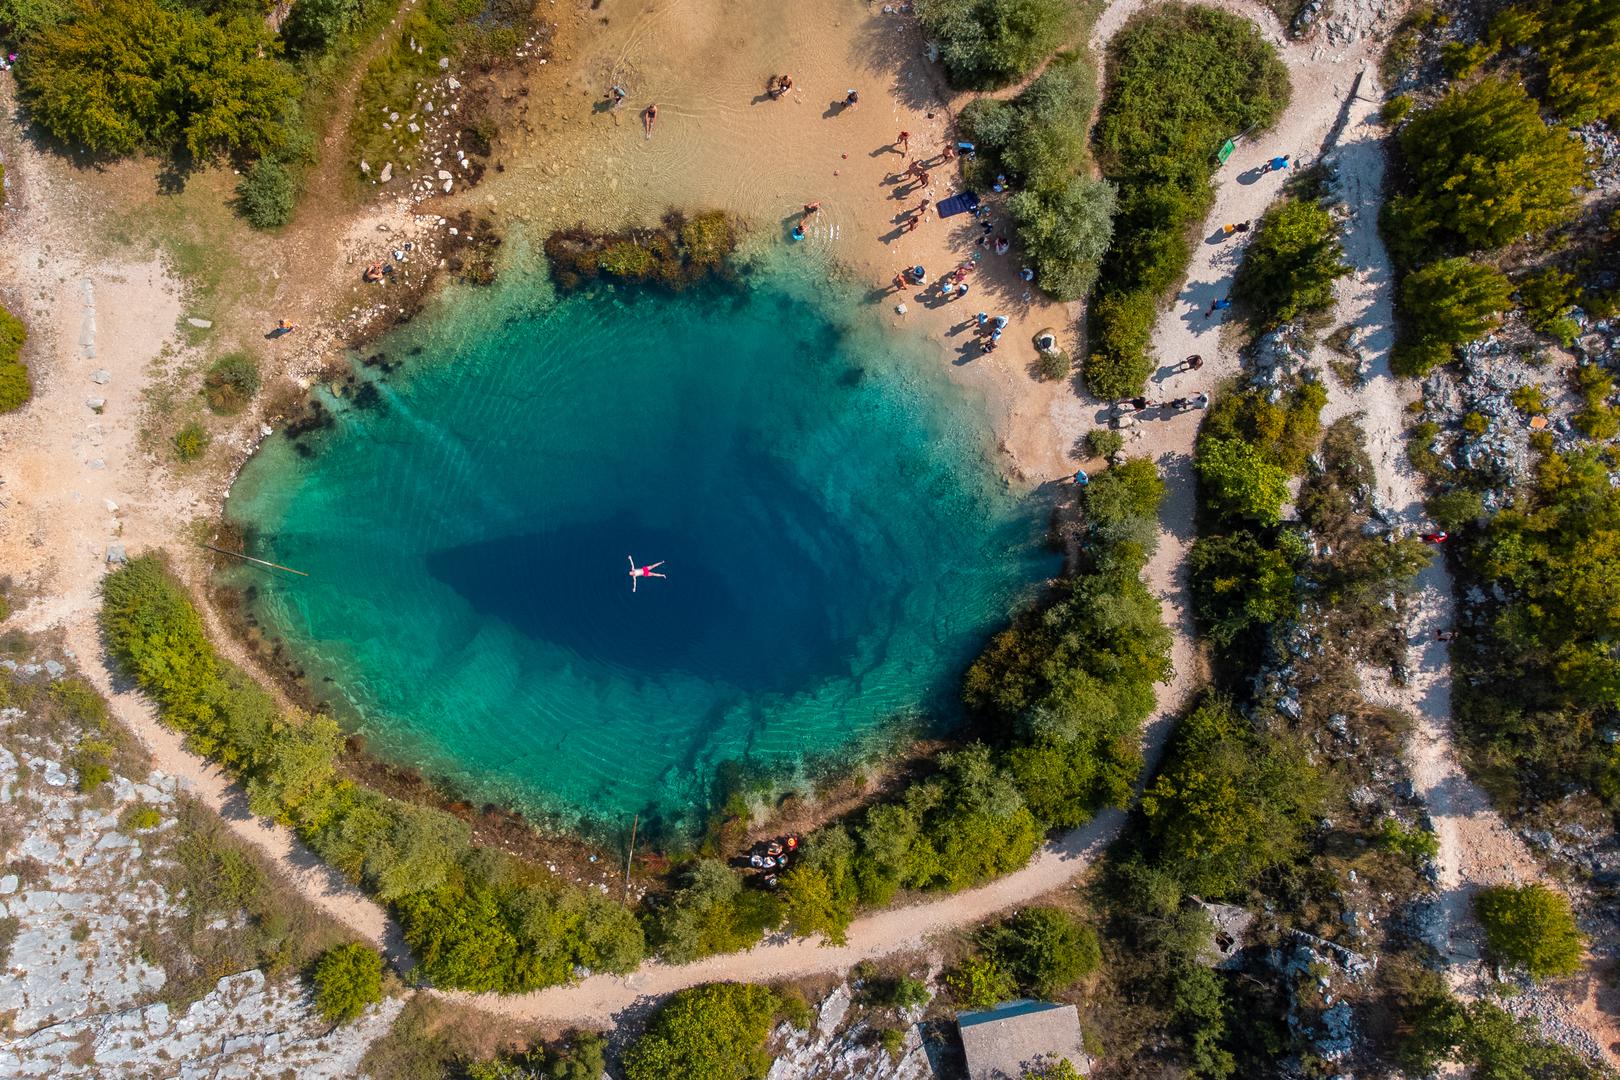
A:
(903, 143)
(922, 207)
(615, 96)
(852, 99)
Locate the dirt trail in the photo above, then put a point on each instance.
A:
(1477, 849)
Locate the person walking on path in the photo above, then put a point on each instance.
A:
(1192, 363)
(1217, 305)
(1276, 164)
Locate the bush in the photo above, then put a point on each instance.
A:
(980, 982)
(191, 441)
(1530, 927)
(1396, 109)
(1181, 80)
(347, 978)
(1065, 233)
(1443, 305)
(231, 382)
(712, 913)
(1104, 442)
(266, 195)
(1230, 802)
(22, 19)
(1044, 950)
(989, 43)
(1579, 42)
(1598, 419)
(717, 1032)
(1456, 508)
(1436, 1028)
(1415, 844)
(1053, 364)
(1290, 267)
(1485, 171)
(1243, 584)
(15, 387)
(1238, 482)
(123, 76)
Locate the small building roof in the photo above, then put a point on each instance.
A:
(1001, 1043)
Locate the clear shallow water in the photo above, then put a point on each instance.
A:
(836, 540)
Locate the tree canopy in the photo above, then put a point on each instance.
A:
(716, 1032)
(1289, 268)
(1485, 170)
(123, 76)
(989, 43)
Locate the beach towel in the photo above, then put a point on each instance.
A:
(962, 203)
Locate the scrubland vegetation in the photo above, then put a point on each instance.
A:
(1289, 268)
(986, 44)
(1038, 138)
(1181, 81)
(200, 81)
(476, 918)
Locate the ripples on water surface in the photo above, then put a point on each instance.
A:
(837, 543)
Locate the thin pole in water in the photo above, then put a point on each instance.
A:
(630, 855)
(251, 559)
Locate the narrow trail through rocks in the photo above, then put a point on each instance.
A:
(1477, 848)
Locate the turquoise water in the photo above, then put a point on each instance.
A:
(836, 540)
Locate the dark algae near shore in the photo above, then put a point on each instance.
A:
(837, 541)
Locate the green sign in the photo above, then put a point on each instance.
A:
(1226, 150)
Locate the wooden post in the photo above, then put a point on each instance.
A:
(631, 854)
(251, 559)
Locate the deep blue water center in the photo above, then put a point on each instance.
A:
(836, 539)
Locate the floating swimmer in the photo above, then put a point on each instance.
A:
(643, 571)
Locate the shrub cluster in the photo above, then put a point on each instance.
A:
(718, 1030)
(230, 382)
(1540, 676)
(1230, 801)
(1064, 217)
(15, 386)
(1289, 268)
(476, 918)
(1063, 692)
(347, 978)
(1531, 927)
(1578, 43)
(1435, 1028)
(1445, 304)
(127, 76)
(989, 43)
(266, 194)
(1181, 80)
(712, 911)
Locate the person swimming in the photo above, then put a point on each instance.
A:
(637, 572)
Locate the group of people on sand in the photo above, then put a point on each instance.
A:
(1199, 400)
(777, 86)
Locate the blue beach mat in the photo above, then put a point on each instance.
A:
(964, 203)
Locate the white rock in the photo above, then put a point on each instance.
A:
(201, 324)
(387, 172)
(101, 376)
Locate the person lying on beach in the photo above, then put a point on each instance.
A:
(649, 116)
(283, 328)
(637, 572)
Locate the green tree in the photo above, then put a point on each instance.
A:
(1240, 583)
(989, 43)
(1446, 304)
(347, 979)
(1579, 42)
(295, 765)
(123, 76)
(1229, 802)
(710, 914)
(980, 982)
(1066, 233)
(1238, 481)
(819, 893)
(1045, 950)
(421, 851)
(1486, 170)
(266, 195)
(22, 19)
(716, 1032)
(1531, 927)
(1290, 267)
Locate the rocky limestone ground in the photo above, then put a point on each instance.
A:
(835, 1050)
(80, 892)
